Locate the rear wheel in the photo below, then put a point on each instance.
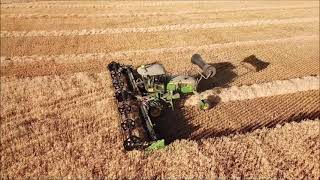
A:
(131, 143)
(155, 109)
(204, 105)
(155, 112)
(128, 124)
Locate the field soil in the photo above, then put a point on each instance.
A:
(59, 117)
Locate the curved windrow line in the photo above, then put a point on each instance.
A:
(249, 115)
(77, 5)
(108, 5)
(258, 90)
(109, 15)
(178, 27)
(5, 60)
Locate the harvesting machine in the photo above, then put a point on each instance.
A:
(144, 93)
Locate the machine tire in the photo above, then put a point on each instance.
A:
(131, 143)
(204, 104)
(155, 112)
(155, 109)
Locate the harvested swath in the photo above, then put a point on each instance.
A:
(257, 90)
(27, 96)
(89, 21)
(179, 27)
(258, 155)
(245, 116)
(82, 4)
(42, 69)
(152, 13)
(67, 125)
(34, 6)
(96, 5)
(86, 57)
(146, 4)
(302, 62)
(52, 45)
(138, 7)
(70, 137)
(49, 91)
(40, 108)
(262, 154)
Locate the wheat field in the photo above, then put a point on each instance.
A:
(59, 117)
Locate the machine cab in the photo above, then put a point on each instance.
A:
(153, 77)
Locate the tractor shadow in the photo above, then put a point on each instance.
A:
(172, 125)
(225, 72)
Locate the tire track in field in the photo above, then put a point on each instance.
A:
(98, 59)
(113, 15)
(179, 27)
(274, 110)
(257, 90)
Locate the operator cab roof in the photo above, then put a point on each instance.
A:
(151, 70)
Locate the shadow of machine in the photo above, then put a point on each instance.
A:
(254, 63)
(223, 77)
(148, 93)
(174, 125)
(225, 72)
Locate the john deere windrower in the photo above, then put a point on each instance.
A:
(144, 93)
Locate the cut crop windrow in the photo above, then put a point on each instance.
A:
(131, 53)
(178, 27)
(245, 116)
(259, 90)
(112, 15)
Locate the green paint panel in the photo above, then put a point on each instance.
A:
(204, 105)
(171, 87)
(160, 144)
(187, 88)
